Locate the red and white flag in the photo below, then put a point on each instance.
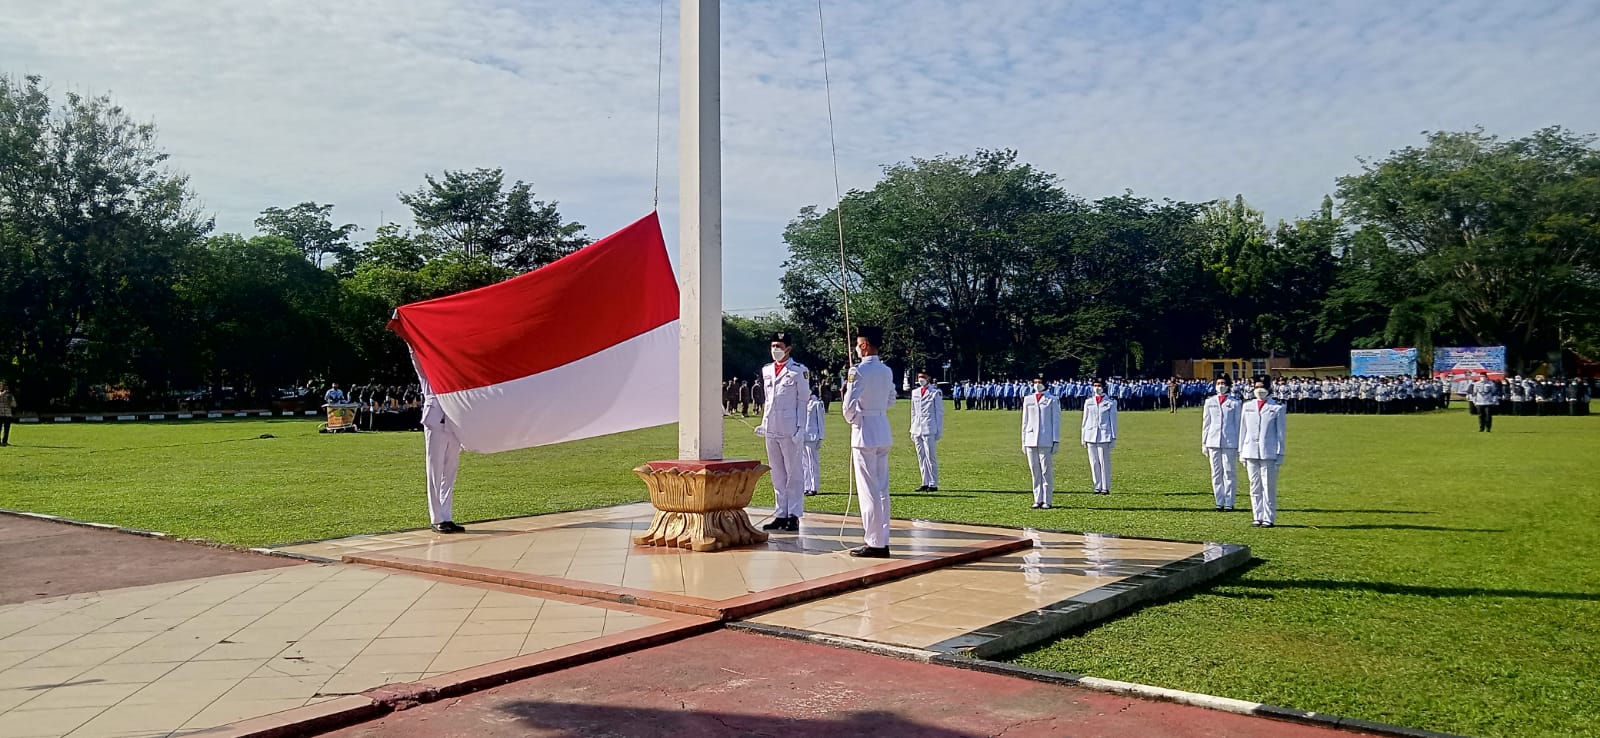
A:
(582, 347)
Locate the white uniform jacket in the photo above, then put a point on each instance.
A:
(1220, 428)
(783, 416)
(1261, 430)
(1041, 420)
(867, 400)
(1099, 420)
(927, 412)
(816, 421)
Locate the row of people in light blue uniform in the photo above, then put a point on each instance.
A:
(1137, 394)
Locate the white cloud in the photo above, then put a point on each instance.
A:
(271, 103)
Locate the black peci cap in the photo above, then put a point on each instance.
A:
(783, 338)
(872, 333)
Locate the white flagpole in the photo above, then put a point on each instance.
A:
(700, 232)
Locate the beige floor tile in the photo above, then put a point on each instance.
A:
(238, 651)
(504, 613)
(420, 630)
(386, 646)
(323, 665)
(327, 632)
(26, 678)
(45, 723)
(223, 712)
(141, 624)
(126, 673)
(11, 698)
(81, 695)
(235, 669)
(359, 614)
(457, 616)
(127, 718)
(494, 627)
(403, 663)
(283, 635)
(356, 682)
(447, 662)
(545, 641)
(37, 643)
(589, 624)
(502, 642)
(69, 656)
(315, 649)
(167, 691)
(70, 624)
(148, 654)
(275, 687)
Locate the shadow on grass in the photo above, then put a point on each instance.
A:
(1394, 526)
(1413, 590)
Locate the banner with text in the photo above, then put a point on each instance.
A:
(1464, 361)
(1390, 362)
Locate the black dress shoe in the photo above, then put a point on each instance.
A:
(1219, 508)
(447, 526)
(1038, 505)
(923, 488)
(933, 488)
(811, 493)
(791, 524)
(1266, 525)
(777, 523)
(1255, 524)
(870, 552)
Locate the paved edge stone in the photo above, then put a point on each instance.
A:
(301, 721)
(205, 542)
(854, 644)
(86, 524)
(1211, 702)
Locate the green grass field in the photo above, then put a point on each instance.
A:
(1422, 573)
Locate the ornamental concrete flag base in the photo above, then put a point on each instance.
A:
(700, 505)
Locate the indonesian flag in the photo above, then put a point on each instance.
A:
(582, 347)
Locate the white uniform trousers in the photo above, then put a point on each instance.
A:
(1100, 465)
(872, 486)
(444, 456)
(1263, 475)
(927, 458)
(1042, 464)
(783, 455)
(811, 459)
(1224, 474)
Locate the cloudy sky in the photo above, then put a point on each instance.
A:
(273, 102)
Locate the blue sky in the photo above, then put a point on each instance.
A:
(273, 102)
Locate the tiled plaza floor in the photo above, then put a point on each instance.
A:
(148, 661)
(968, 604)
(600, 553)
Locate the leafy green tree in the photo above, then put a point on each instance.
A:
(471, 212)
(1503, 237)
(93, 224)
(309, 228)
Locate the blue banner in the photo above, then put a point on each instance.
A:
(1395, 362)
(1467, 360)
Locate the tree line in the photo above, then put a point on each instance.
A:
(111, 274)
(987, 263)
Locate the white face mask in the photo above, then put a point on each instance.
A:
(778, 354)
(860, 353)
(1038, 387)
(1099, 392)
(1222, 389)
(1261, 394)
(922, 381)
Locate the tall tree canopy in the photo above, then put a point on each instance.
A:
(471, 211)
(1491, 241)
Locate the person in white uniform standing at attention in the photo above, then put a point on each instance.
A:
(1261, 442)
(868, 395)
(1100, 435)
(811, 454)
(927, 427)
(1041, 438)
(1219, 441)
(443, 449)
(786, 387)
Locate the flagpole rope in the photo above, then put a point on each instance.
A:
(661, 47)
(844, 275)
